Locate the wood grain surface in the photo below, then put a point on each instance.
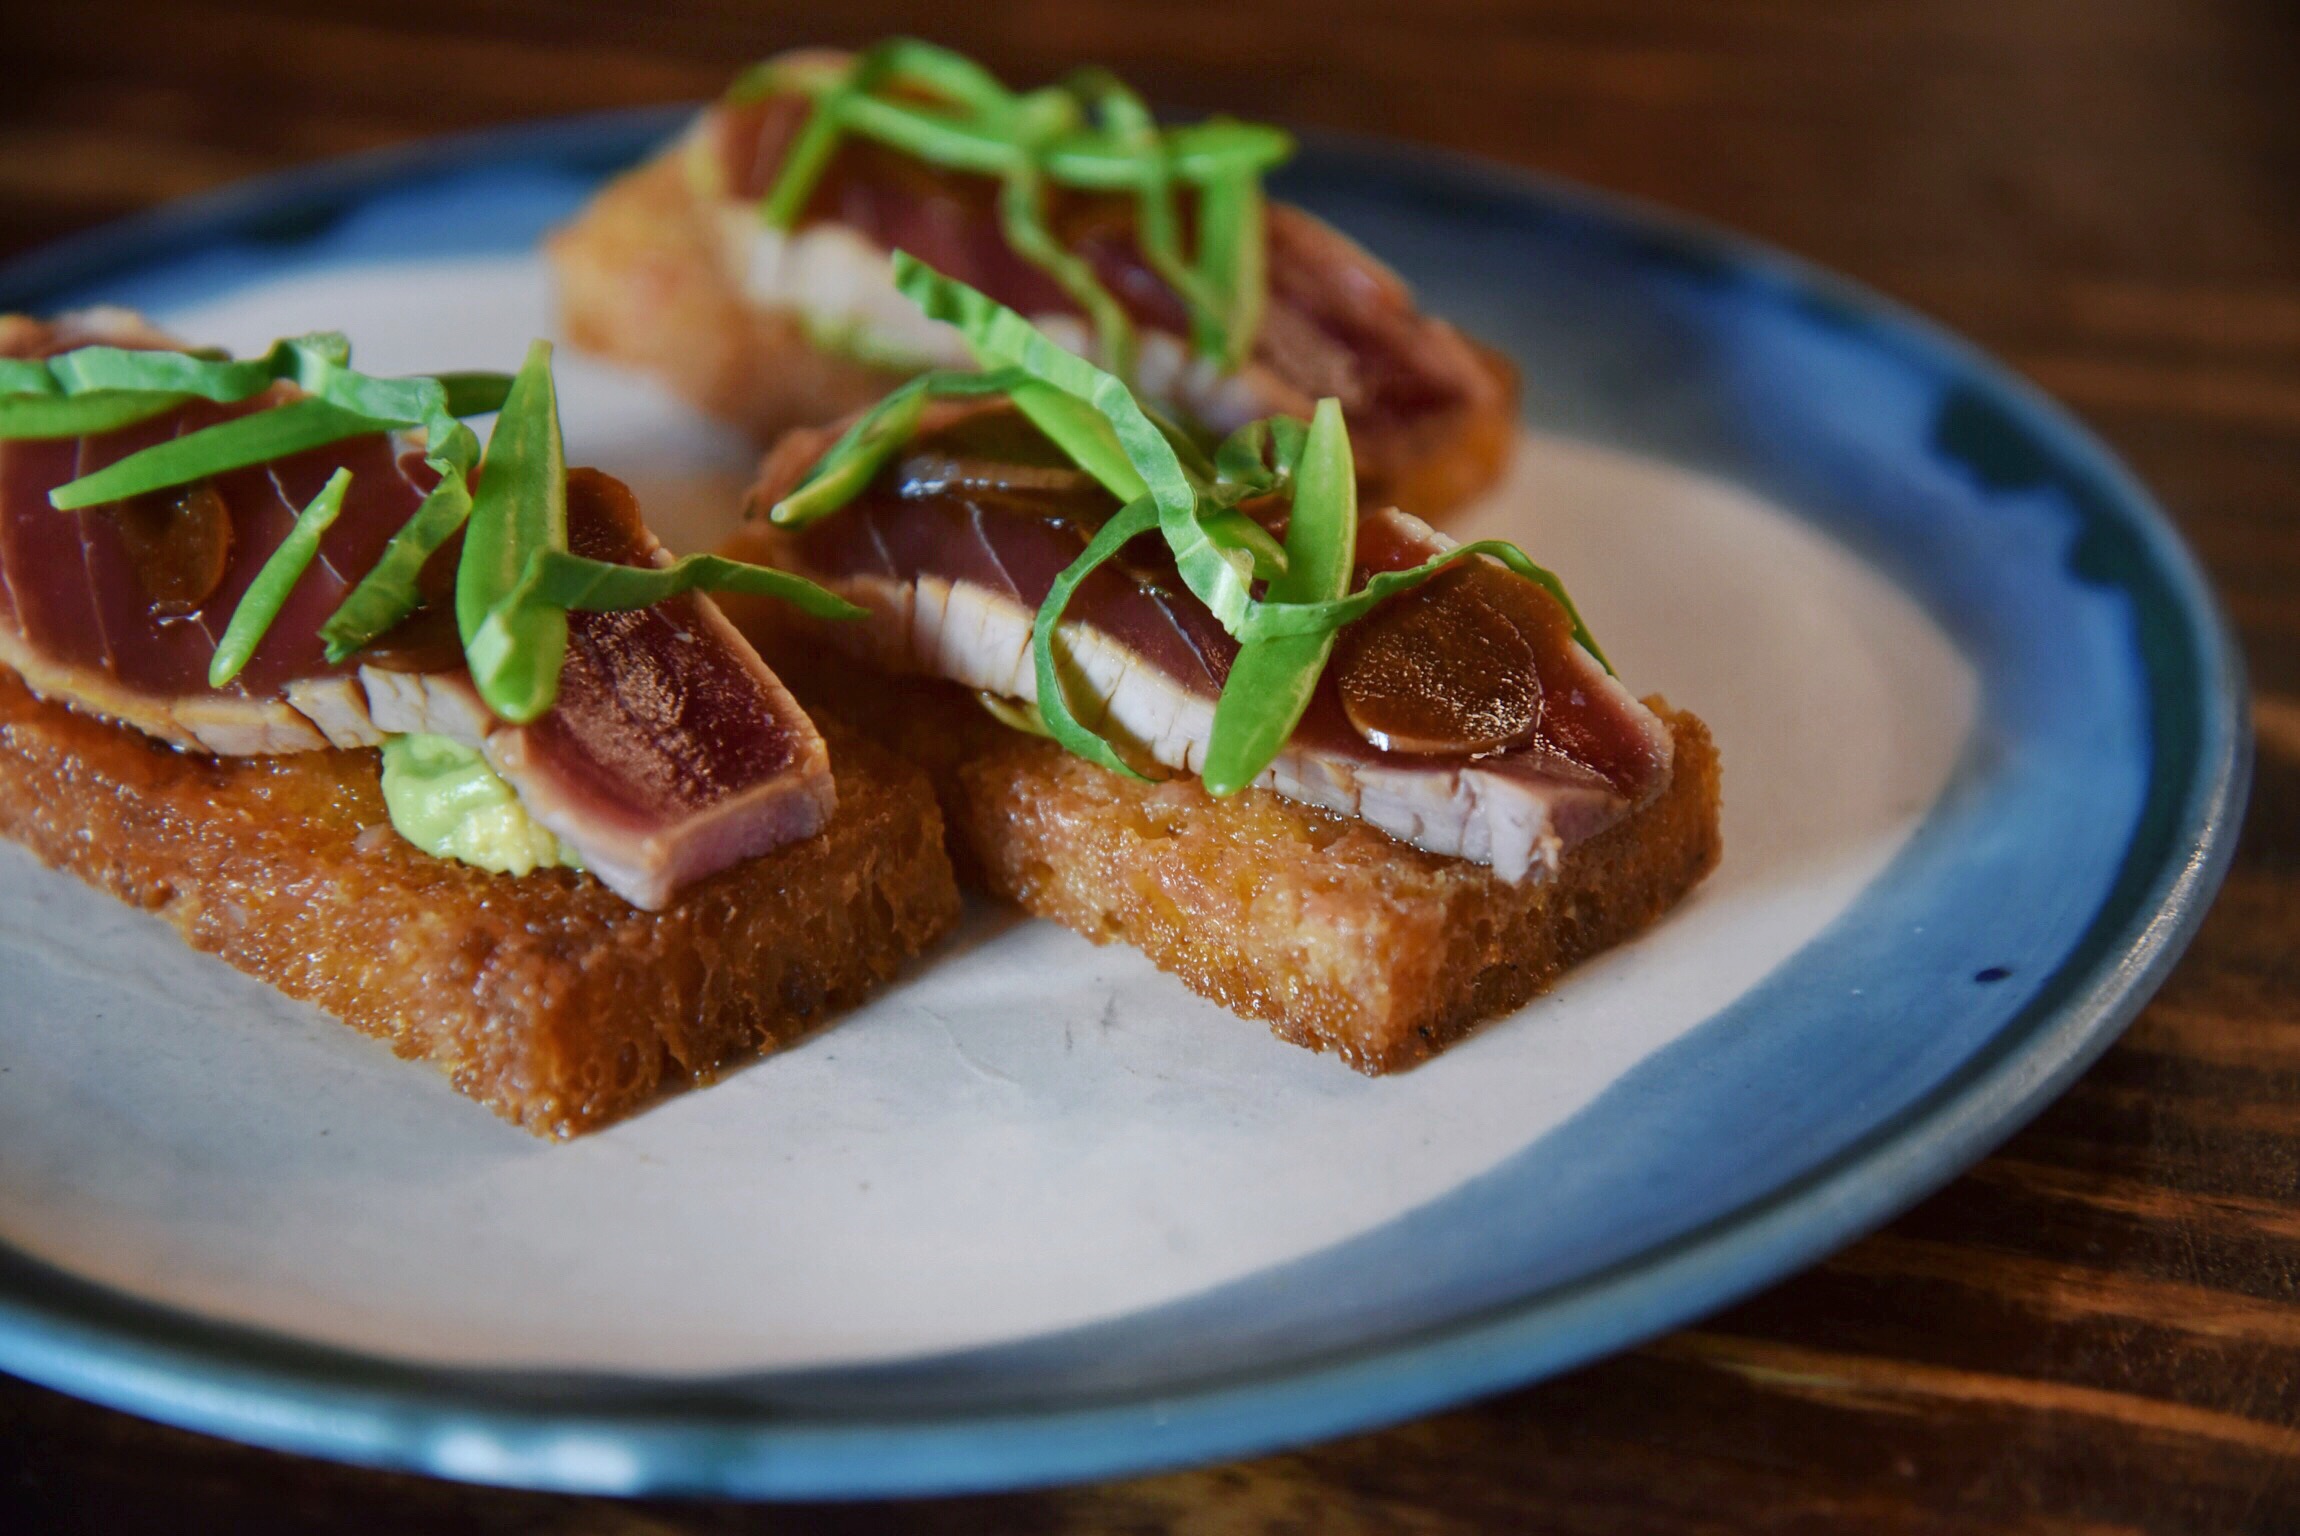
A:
(2098, 1329)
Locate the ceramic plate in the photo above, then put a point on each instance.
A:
(1037, 1213)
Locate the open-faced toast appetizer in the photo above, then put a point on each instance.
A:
(749, 266)
(1334, 770)
(480, 770)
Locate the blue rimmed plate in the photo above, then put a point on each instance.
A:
(1039, 1214)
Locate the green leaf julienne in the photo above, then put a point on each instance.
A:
(513, 641)
(268, 593)
(848, 466)
(1271, 681)
(102, 388)
(1002, 338)
(256, 438)
(85, 415)
(571, 581)
(1062, 722)
(1286, 635)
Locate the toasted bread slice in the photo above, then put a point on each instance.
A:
(1340, 936)
(544, 996)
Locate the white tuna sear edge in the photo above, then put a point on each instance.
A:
(841, 286)
(339, 707)
(226, 724)
(426, 704)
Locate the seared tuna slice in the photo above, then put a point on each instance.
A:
(956, 545)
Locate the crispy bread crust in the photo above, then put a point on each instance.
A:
(1341, 937)
(640, 283)
(545, 996)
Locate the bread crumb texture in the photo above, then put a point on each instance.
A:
(544, 996)
(1340, 936)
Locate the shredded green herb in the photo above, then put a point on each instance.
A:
(1002, 338)
(1272, 679)
(852, 462)
(388, 593)
(573, 582)
(257, 438)
(515, 642)
(516, 580)
(1193, 501)
(99, 369)
(268, 593)
(1054, 707)
(1271, 620)
(104, 410)
(1089, 133)
(103, 389)
(473, 394)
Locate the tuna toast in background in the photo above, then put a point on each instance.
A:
(594, 852)
(750, 270)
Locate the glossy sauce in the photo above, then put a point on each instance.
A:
(178, 542)
(1453, 668)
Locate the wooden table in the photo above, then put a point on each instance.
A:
(2096, 1330)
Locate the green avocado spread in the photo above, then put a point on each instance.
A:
(446, 800)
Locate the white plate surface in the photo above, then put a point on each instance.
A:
(1029, 1133)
